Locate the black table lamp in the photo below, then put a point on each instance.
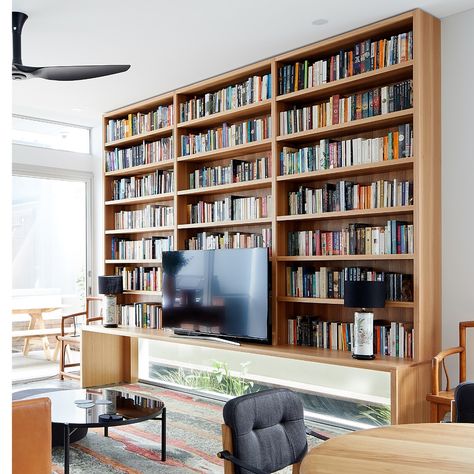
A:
(363, 295)
(109, 286)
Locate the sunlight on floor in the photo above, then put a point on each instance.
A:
(35, 366)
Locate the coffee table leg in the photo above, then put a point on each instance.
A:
(66, 449)
(163, 435)
(106, 431)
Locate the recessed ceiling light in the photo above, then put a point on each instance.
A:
(76, 109)
(319, 21)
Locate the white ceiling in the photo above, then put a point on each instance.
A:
(171, 43)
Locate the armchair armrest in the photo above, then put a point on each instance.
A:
(97, 318)
(313, 433)
(230, 457)
(438, 362)
(73, 317)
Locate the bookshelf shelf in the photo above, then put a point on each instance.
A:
(349, 214)
(421, 219)
(223, 188)
(355, 126)
(367, 79)
(210, 225)
(142, 169)
(141, 200)
(139, 138)
(340, 302)
(145, 230)
(331, 258)
(246, 111)
(230, 152)
(357, 170)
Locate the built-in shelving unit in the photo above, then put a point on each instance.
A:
(419, 110)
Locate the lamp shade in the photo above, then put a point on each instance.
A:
(110, 285)
(364, 294)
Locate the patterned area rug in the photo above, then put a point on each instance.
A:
(193, 439)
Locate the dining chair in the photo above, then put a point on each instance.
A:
(264, 432)
(69, 340)
(440, 397)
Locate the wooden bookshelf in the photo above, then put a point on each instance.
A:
(422, 169)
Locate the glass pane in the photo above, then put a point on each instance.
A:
(49, 243)
(344, 397)
(59, 136)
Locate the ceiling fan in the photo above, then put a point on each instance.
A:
(53, 73)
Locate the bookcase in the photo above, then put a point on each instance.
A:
(355, 142)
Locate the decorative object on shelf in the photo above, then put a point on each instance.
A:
(364, 294)
(109, 286)
(53, 73)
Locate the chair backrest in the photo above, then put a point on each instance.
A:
(93, 309)
(464, 399)
(268, 430)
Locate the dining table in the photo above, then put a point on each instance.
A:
(36, 325)
(422, 448)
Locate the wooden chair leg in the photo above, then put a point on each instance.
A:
(296, 468)
(57, 348)
(62, 355)
(227, 446)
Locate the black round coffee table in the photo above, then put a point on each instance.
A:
(103, 408)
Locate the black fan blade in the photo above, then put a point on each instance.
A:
(71, 73)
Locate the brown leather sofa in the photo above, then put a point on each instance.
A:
(31, 436)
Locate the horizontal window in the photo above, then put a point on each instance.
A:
(54, 135)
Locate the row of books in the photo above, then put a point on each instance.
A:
(368, 55)
(236, 171)
(226, 136)
(159, 182)
(141, 315)
(143, 154)
(254, 89)
(230, 240)
(394, 339)
(140, 122)
(147, 248)
(306, 330)
(231, 208)
(390, 338)
(151, 215)
(395, 144)
(355, 239)
(346, 196)
(325, 282)
(140, 278)
(338, 110)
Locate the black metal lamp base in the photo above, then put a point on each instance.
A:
(110, 325)
(363, 357)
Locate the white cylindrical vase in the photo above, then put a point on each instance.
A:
(363, 347)
(110, 318)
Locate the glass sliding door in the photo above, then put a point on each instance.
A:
(51, 236)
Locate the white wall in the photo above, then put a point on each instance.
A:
(457, 109)
(90, 163)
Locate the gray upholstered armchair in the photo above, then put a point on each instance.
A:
(464, 403)
(264, 432)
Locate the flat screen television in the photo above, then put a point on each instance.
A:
(218, 293)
